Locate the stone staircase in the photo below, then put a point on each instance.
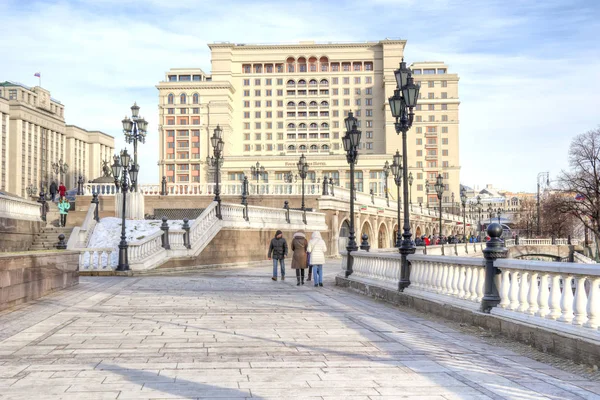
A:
(47, 238)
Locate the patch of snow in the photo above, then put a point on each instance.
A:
(107, 233)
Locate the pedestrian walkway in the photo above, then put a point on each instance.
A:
(237, 334)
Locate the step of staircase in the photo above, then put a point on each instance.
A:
(47, 238)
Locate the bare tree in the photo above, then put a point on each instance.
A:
(580, 184)
(525, 217)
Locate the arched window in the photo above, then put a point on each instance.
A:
(302, 126)
(302, 104)
(325, 147)
(291, 125)
(312, 82)
(313, 103)
(182, 98)
(324, 103)
(313, 147)
(314, 125)
(291, 104)
(291, 82)
(302, 147)
(324, 125)
(291, 147)
(301, 82)
(195, 98)
(170, 98)
(324, 82)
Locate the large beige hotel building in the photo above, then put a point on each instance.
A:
(35, 136)
(276, 102)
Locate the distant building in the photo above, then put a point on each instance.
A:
(276, 102)
(35, 136)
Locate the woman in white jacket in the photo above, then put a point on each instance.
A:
(317, 249)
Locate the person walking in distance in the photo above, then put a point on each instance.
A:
(278, 249)
(299, 261)
(63, 208)
(317, 249)
(62, 190)
(53, 190)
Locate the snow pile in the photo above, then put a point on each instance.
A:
(107, 233)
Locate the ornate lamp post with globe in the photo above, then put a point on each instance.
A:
(135, 130)
(402, 104)
(351, 141)
(125, 174)
(386, 174)
(303, 171)
(217, 143)
(439, 190)
(463, 200)
(397, 171)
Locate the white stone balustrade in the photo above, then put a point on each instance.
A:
(97, 259)
(145, 248)
(560, 296)
(80, 236)
(564, 296)
(379, 269)
(17, 208)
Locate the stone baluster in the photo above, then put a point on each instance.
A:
(505, 288)
(543, 296)
(580, 302)
(480, 284)
(593, 305)
(555, 297)
(461, 282)
(533, 296)
(468, 279)
(566, 300)
(513, 295)
(444, 280)
(523, 291)
(473, 284)
(455, 279)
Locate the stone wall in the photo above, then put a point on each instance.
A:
(16, 234)
(236, 246)
(26, 277)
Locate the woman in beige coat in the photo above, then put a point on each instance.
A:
(299, 245)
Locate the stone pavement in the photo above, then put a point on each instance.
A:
(236, 334)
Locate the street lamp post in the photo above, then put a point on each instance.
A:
(303, 171)
(427, 192)
(490, 212)
(386, 174)
(540, 178)
(499, 214)
(122, 164)
(397, 171)
(463, 200)
(257, 171)
(439, 190)
(479, 206)
(402, 104)
(42, 201)
(351, 141)
(31, 190)
(135, 130)
(216, 161)
(453, 203)
(410, 182)
(60, 168)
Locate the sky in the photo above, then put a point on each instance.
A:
(529, 70)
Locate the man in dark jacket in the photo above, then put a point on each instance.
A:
(53, 190)
(277, 251)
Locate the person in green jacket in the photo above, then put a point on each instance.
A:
(63, 208)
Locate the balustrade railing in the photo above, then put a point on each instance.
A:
(17, 208)
(567, 294)
(560, 296)
(145, 248)
(97, 259)
(80, 236)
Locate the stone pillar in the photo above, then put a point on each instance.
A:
(134, 207)
(494, 249)
(335, 233)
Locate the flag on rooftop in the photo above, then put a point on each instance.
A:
(39, 75)
(579, 197)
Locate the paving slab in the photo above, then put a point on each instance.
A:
(236, 334)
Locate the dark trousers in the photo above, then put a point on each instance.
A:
(300, 272)
(53, 195)
(63, 219)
